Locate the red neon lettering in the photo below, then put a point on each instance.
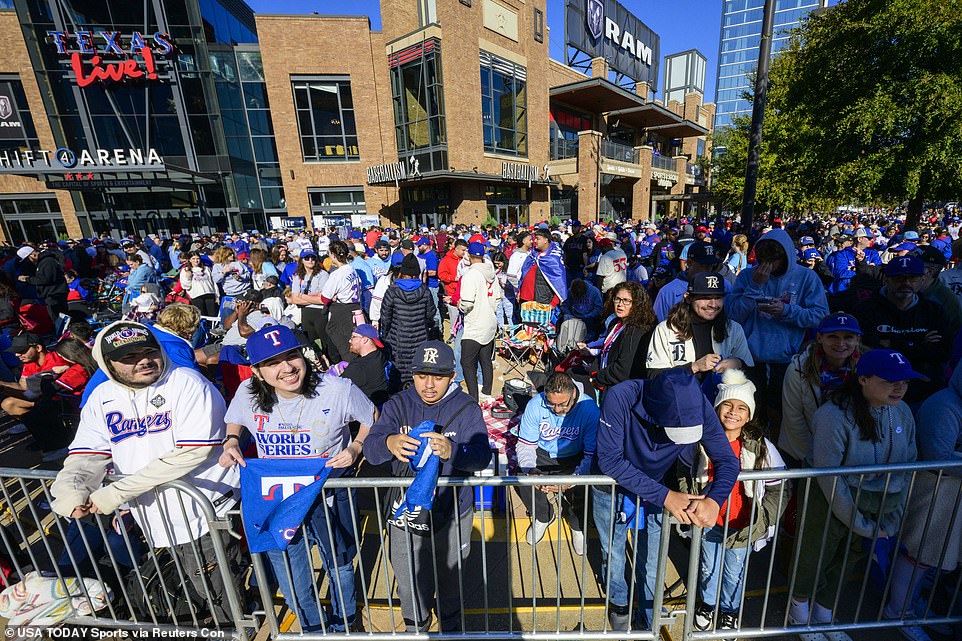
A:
(116, 72)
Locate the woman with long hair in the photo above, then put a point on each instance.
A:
(737, 258)
(697, 334)
(198, 281)
(261, 268)
(81, 361)
(306, 285)
(231, 275)
(342, 295)
(820, 369)
(292, 411)
(865, 422)
(621, 350)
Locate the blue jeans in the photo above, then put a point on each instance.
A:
(614, 559)
(302, 573)
(713, 551)
(505, 312)
(98, 546)
(437, 307)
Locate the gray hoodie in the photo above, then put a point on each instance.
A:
(169, 430)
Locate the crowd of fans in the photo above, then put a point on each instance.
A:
(685, 352)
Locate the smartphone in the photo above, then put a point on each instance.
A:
(765, 300)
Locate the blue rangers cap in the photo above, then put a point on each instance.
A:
(269, 341)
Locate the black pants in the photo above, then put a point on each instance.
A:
(471, 351)
(314, 323)
(55, 307)
(572, 500)
(207, 304)
(340, 326)
(47, 423)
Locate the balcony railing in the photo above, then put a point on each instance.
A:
(618, 151)
(561, 149)
(663, 162)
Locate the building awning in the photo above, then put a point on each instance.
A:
(103, 180)
(657, 119)
(595, 95)
(445, 174)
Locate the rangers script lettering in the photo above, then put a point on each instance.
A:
(121, 428)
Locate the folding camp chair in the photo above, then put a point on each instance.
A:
(529, 345)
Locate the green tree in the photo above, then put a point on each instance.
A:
(865, 105)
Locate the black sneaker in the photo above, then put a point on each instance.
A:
(703, 617)
(728, 621)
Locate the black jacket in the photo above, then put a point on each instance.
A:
(49, 279)
(407, 320)
(886, 326)
(627, 356)
(471, 451)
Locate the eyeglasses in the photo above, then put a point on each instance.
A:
(623, 301)
(306, 258)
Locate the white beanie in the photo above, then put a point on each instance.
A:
(735, 385)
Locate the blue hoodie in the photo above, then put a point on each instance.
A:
(634, 449)
(776, 340)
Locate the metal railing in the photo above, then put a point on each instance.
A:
(618, 151)
(494, 584)
(659, 161)
(562, 148)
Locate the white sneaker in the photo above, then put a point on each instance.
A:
(807, 636)
(578, 542)
(18, 428)
(536, 531)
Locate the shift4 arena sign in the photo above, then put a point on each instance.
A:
(111, 56)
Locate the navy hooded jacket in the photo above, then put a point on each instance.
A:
(634, 449)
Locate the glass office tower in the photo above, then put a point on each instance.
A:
(741, 28)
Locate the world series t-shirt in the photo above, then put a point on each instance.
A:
(303, 427)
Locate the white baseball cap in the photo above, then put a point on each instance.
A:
(25, 251)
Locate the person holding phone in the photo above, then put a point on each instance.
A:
(775, 301)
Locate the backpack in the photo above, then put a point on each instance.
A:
(162, 581)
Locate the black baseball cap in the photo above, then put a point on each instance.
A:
(408, 244)
(706, 284)
(703, 254)
(22, 342)
(930, 255)
(434, 357)
(123, 338)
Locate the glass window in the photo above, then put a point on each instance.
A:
(326, 119)
(504, 106)
(418, 97)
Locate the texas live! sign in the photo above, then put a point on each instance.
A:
(110, 55)
(604, 28)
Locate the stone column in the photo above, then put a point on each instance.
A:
(589, 174)
(641, 190)
(599, 68)
(642, 89)
(681, 168)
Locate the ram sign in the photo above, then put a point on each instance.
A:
(605, 29)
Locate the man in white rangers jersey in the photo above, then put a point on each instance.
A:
(154, 423)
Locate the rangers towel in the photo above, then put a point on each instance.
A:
(276, 495)
(426, 465)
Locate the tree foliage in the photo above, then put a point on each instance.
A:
(865, 105)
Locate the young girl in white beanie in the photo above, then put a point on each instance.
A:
(740, 526)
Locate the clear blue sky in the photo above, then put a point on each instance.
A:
(682, 24)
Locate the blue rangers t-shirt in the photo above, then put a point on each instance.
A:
(300, 426)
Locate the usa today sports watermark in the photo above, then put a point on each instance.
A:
(47, 632)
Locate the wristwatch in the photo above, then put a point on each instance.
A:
(229, 437)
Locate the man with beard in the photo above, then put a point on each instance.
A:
(898, 318)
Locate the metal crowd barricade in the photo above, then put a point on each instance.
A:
(147, 585)
(502, 587)
(765, 611)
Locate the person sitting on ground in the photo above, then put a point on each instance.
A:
(371, 371)
(557, 436)
(580, 315)
(698, 335)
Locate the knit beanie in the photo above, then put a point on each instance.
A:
(410, 266)
(735, 385)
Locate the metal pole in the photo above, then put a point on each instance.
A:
(758, 114)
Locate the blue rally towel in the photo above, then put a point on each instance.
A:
(426, 466)
(629, 515)
(276, 495)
